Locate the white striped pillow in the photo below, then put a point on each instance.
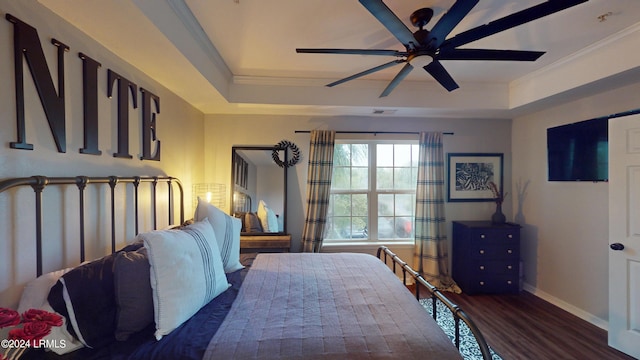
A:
(227, 229)
(186, 273)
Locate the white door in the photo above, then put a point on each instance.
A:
(624, 234)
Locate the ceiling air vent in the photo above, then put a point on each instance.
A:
(384, 112)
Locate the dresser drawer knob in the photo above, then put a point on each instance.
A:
(481, 251)
(509, 282)
(481, 283)
(510, 236)
(482, 236)
(509, 267)
(510, 251)
(481, 267)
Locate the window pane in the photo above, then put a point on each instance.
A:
(360, 155)
(385, 205)
(342, 155)
(403, 178)
(341, 178)
(341, 205)
(359, 205)
(359, 178)
(415, 155)
(404, 227)
(402, 155)
(385, 227)
(384, 154)
(404, 204)
(342, 227)
(359, 228)
(384, 178)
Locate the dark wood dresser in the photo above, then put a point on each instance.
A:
(486, 257)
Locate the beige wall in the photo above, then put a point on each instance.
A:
(180, 129)
(565, 235)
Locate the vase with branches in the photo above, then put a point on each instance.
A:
(498, 197)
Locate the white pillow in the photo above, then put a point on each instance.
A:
(34, 296)
(274, 225)
(227, 229)
(268, 218)
(35, 293)
(186, 273)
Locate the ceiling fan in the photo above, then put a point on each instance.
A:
(434, 43)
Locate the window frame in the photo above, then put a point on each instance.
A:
(372, 194)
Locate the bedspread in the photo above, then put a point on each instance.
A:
(328, 306)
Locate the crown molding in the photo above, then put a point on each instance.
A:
(568, 60)
(191, 23)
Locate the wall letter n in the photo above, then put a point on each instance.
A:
(26, 42)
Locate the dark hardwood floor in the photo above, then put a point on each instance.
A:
(524, 326)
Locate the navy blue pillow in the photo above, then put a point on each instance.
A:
(92, 295)
(133, 293)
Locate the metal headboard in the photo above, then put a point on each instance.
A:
(39, 183)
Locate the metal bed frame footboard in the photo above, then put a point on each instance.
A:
(436, 295)
(39, 183)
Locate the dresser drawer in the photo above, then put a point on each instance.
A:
(500, 235)
(483, 268)
(492, 250)
(494, 284)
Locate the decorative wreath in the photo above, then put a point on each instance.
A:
(294, 150)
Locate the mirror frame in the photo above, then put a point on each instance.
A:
(234, 150)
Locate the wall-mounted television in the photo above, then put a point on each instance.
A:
(579, 151)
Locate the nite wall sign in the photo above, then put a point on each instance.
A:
(27, 45)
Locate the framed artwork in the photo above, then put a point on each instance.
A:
(469, 176)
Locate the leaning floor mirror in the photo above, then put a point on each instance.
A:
(259, 196)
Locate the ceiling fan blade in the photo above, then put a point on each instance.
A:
(510, 21)
(448, 21)
(381, 12)
(396, 80)
(366, 72)
(489, 54)
(353, 52)
(441, 75)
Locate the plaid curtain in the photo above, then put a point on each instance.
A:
(431, 258)
(318, 187)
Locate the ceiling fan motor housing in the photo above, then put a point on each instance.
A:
(421, 17)
(422, 37)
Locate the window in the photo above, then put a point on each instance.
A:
(372, 192)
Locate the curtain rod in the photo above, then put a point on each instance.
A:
(373, 132)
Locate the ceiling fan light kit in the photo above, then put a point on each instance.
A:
(435, 44)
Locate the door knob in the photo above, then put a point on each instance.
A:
(616, 246)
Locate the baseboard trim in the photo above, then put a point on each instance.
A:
(567, 307)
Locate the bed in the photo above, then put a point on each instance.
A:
(147, 299)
